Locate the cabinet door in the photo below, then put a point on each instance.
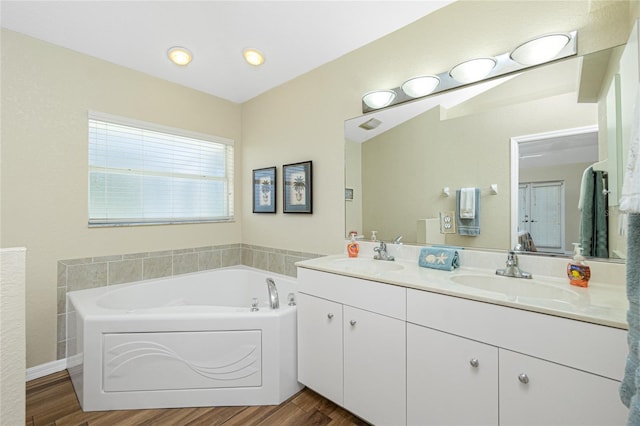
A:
(537, 392)
(320, 346)
(374, 367)
(450, 380)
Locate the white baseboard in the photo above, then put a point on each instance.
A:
(46, 369)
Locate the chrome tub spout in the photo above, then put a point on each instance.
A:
(274, 302)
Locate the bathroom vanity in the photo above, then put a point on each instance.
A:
(398, 344)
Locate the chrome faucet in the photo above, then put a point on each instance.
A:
(381, 252)
(512, 269)
(274, 302)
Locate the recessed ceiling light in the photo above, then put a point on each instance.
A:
(180, 55)
(253, 57)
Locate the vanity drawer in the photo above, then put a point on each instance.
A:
(590, 347)
(381, 298)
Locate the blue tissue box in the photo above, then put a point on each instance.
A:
(445, 259)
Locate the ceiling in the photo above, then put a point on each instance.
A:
(295, 36)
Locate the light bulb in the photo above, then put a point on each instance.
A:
(420, 86)
(180, 55)
(472, 70)
(379, 98)
(540, 50)
(253, 57)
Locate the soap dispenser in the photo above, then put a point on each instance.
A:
(578, 271)
(353, 247)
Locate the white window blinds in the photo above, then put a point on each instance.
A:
(142, 173)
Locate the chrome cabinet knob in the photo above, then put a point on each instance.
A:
(523, 378)
(330, 315)
(352, 322)
(474, 362)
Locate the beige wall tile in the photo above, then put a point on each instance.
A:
(125, 271)
(185, 263)
(231, 257)
(276, 263)
(260, 259)
(157, 267)
(247, 256)
(62, 300)
(209, 260)
(80, 277)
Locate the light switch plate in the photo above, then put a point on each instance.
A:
(447, 222)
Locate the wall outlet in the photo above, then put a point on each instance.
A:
(447, 222)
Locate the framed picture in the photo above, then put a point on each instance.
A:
(264, 190)
(348, 194)
(297, 187)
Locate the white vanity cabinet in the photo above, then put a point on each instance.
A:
(320, 345)
(352, 344)
(550, 370)
(394, 356)
(537, 392)
(450, 380)
(374, 366)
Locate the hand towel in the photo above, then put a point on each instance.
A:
(445, 259)
(630, 195)
(584, 182)
(467, 203)
(470, 227)
(594, 232)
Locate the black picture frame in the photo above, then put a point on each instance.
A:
(297, 188)
(264, 190)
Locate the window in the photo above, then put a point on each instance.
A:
(142, 173)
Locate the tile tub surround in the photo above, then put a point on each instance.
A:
(91, 272)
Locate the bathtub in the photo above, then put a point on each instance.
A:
(191, 340)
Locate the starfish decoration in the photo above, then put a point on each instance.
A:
(442, 258)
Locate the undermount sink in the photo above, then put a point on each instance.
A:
(364, 265)
(518, 289)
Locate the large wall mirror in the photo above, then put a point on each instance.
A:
(543, 126)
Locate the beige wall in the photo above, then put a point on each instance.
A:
(46, 93)
(47, 90)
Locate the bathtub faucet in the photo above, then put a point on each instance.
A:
(273, 294)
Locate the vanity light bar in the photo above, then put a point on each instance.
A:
(540, 50)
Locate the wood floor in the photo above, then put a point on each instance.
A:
(52, 401)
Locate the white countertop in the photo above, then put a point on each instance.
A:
(604, 304)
